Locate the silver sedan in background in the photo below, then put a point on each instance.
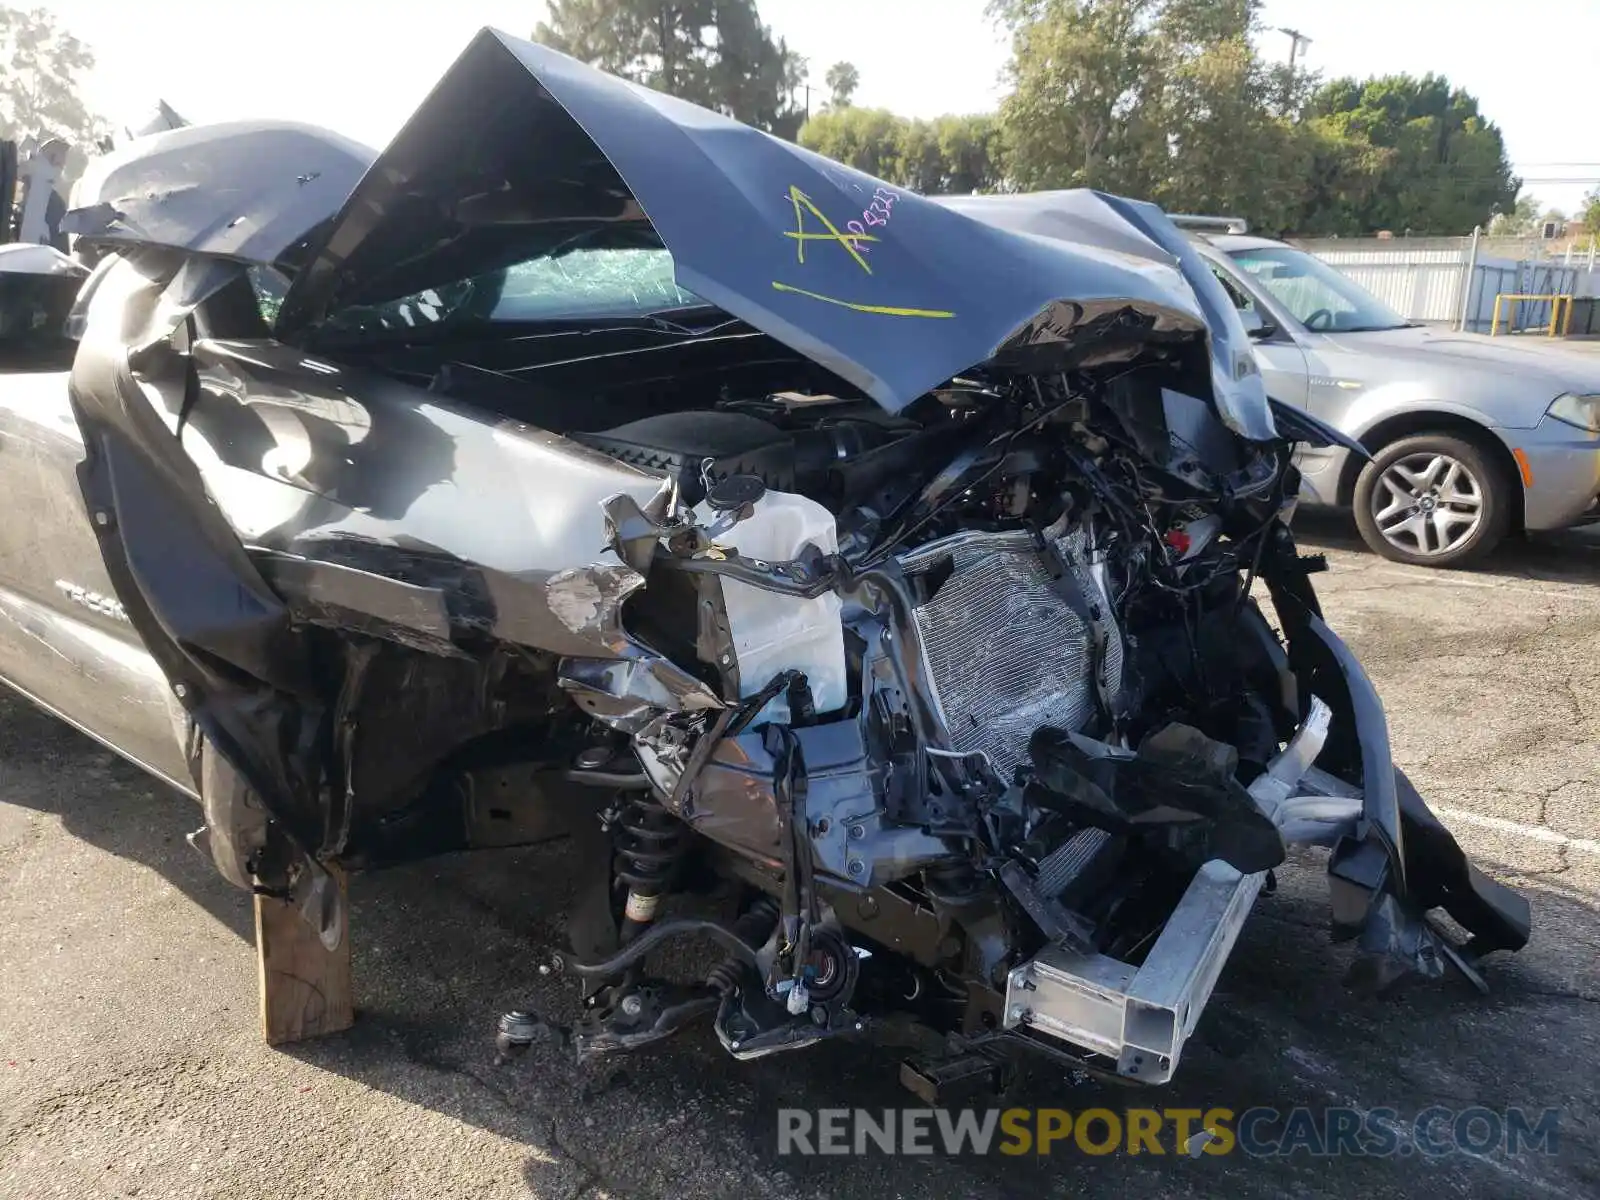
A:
(1472, 437)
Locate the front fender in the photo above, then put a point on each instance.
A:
(220, 635)
(1372, 409)
(239, 513)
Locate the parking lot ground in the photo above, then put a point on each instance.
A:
(130, 1063)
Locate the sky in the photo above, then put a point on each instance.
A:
(360, 67)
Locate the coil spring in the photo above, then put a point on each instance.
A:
(649, 842)
(753, 928)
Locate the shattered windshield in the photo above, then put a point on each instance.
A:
(1320, 297)
(579, 282)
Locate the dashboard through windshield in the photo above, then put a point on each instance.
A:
(1320, 297)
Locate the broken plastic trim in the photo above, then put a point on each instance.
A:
(1297, 425)
(1380, 809)
(1398, 862)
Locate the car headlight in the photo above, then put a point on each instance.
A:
(1582, 411)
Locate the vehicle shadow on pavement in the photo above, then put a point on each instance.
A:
(441, 948)
(107, 802)
(1571, 556)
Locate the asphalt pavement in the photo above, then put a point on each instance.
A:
(130, 1063)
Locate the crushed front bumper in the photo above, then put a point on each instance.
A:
(1141, 1016)
(1392, 863)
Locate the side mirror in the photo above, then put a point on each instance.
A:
(1257, 326)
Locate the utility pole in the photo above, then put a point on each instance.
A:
(1296, 41)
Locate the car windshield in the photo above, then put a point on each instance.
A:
(577, 282)
(1318, 296)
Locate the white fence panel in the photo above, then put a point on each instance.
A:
(1442, 281)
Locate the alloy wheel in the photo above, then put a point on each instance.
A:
(1427, 503)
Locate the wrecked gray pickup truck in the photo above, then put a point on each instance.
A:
(589, 463)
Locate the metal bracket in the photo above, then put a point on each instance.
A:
(1140, 1016)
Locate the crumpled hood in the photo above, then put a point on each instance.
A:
(1139, 228)
(519, 150)
(1475, 352)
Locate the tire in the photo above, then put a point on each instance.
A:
(1434, 500)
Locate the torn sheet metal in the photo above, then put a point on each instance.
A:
(218, 632)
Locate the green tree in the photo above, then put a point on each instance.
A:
(1169, 100)
(1214, 138)
(971, 154)
(1078, 113)
(1589, 211)
(1444, 167)
(716, 53)
(868, 139)
(948, 155)
(1521, 219)
(842, 80)
(1163, 99)
(41, 72)
(1341, 178)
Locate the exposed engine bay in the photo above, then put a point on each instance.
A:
(976, 704)
(905, 592)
